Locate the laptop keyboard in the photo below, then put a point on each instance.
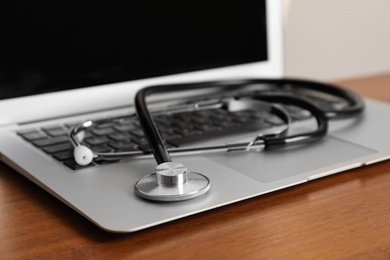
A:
(176, 129)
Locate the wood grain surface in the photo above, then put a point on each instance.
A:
(344, 216)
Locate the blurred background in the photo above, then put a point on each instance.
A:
(337, 39)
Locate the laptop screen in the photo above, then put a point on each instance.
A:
(48, 46)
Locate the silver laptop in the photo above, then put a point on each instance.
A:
(62, 63)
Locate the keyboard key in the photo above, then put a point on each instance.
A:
(50, 141)
(104, 148)
(27, 131)
(57, 148)
(138, 132)
(63, 156)
(125, 128)
(124, 146)
(120, 136)
(34, 136)
(187, 131)
(97, 140)
(74, 166)
(55, 130)
(139, 141)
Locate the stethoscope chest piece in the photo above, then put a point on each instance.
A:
(172, 182)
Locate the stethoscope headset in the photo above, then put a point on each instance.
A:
(172, 181)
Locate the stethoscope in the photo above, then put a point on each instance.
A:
(172, 181)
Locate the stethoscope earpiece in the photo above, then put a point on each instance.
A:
(172, 182)
(82, 155)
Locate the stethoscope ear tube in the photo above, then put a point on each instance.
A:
(355, 103)
(272, 142)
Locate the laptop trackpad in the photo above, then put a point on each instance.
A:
(267, 166)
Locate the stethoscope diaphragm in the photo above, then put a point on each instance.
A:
(172, 182)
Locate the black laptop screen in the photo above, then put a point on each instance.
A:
(51, 45)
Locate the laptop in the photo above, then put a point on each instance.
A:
(65, 62)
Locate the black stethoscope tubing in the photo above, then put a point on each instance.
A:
(261, 142)
(162, 155)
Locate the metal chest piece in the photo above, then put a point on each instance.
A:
(172, 182)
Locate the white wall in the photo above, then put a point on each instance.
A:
(337, 39)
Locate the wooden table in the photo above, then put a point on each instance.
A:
(341, 216)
